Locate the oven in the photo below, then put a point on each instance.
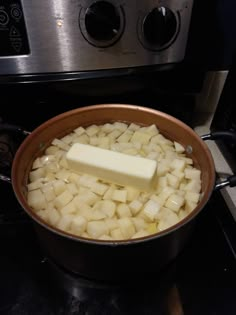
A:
(173, 56)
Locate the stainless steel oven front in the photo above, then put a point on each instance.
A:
(82, 35)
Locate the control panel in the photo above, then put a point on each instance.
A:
(13, 35)
(89, 35)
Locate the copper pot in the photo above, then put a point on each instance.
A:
(108, 259)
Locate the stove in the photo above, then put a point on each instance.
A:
(201, 280)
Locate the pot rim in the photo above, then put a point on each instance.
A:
(21, 198)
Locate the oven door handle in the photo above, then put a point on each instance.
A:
(230, 136)
(9, 128)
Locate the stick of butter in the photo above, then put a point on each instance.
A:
(115, 167)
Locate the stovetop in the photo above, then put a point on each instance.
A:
(202, 280)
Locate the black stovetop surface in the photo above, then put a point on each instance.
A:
(202, 280)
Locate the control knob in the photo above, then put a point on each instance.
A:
(103, 22)
(159, 28)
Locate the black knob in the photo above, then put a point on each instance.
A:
(102, 21)
(159, 27)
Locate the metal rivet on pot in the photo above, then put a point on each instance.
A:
(189, 149)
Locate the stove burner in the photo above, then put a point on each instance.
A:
(138, 295)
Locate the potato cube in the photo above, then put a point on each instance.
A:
(172, 180)
(79, 131)
(123, 210)
(151, 209)
(53, 216)
(132, 193)
(127, 228)
(192, 173)
(174, 202)
(78, 225)
(111, 223)
(117, 235)
(141, 137)
(37, 174)
(63, 199)
(108, 207)
(139, 223)
(119, 195)
(99, 188)
(178, 164)
(141, 233)
(71, 187)
(59, 186)
(135, 206)
(36, 200)
(152, 228)
(95, 229)
(69, 208)
(92, 130)
(192, 196)
(178, 147)
(87, 197)
(167, 218)
(60, 144)
(64, 223)
(48, 192)
(52, 149)
(38, 183)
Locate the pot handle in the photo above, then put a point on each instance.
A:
(228, 135)
(8, 128)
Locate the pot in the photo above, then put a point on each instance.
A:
(106, 260)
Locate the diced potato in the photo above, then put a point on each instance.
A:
(36, 200)
(152, 228)
(95, 229)
(141, 137)
(189, 206)
(88, 197)
(63, 199)
(172, 180)
(78, 225)
(139, 223)
(111, 223)
(69, 208)
(105, 237)
(61, 144)
(108, 207)
(59, 187)
(116, 234)
(125, 137)
(167, 219)
(127, 228)
(192, 173)
(151, 209)
(123, 211)
(92, 130)
(79, 131)
(119, 195)
(141, 233)
(53, 216)
(174, 202)
(48, 192)
(98, 188)
(37, 163)
(132, 193)
(64, 223)
(192, 196)
(178, 147)
(178, 164)
(135, 206)
(72, 188)
(38, 183)
(37, 174)
(51, 150)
